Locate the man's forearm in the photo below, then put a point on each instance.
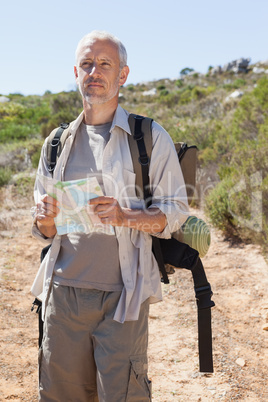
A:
(151, 220)
(48, 231)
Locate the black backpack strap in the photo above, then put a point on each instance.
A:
(140, 146)
(38, 305)
(142, 130)
(203, 295)
(55, 146)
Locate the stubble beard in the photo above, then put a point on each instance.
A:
(95, 99)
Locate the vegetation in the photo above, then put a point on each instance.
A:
(239, 203)
(231, 135)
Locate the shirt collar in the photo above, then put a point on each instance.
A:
(121, 120)
(77, 123)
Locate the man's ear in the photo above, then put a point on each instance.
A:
(75, 72)
(123, 75)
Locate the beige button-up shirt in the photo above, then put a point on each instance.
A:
(139, 268)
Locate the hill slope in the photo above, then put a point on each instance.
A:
(224, 114)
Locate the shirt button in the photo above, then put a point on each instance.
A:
(51, 259)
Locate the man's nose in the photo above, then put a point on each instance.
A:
(94, 69)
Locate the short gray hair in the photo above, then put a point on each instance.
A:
(103, 35)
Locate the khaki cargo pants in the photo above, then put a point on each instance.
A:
(86, 355)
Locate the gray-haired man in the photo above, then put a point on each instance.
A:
(96, 288)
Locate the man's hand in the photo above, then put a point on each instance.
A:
(108, 210)
(46, 210)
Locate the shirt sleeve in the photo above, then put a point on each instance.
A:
(38, 192)
(167, 182)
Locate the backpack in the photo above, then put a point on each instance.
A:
(169, 253)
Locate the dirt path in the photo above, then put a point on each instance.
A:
(239, 279)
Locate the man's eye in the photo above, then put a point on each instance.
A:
(86, 64)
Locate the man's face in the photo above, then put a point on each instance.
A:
(98, 74)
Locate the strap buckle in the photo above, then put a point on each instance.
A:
(64, 125)
(37, 303)
(55, 142)
(144, 160)
(203, 296)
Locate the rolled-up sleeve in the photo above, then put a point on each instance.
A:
(38, 192)
(167, 182)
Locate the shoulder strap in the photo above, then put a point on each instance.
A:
(55, 144)
(139, 142)
(140, 145)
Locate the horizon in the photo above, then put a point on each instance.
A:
(75, 88)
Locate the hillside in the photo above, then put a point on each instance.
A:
(224, 113)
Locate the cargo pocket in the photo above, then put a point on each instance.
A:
(139, 386)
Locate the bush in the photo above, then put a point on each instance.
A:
(200, 92)
(179, 83)
(23, 185)
(185, 96)
(239, 83)
(35, 158)
(239, 203)
(164, 92)
(16, 131)
(261, 92)
(5, 175)
(218, 208)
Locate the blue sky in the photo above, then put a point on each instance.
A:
(38, 38)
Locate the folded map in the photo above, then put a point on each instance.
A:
(75, 213)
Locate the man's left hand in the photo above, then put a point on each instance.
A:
(108, 210)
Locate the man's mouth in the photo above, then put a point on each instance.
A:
(93, 84)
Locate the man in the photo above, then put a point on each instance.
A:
(96, 288)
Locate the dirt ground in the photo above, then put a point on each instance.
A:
(239, 279)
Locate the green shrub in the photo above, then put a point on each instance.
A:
(5, 175)
(164, 92)
(239, 83)
(16, 131)
(200, 92)
(161, 87)
(239, 203)
(179, 83)
(35, 158)
(169, 99)
(261, 93)
(218, 208)
(23, 185)
(185, 96)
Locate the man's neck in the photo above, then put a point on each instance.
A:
(99, 114)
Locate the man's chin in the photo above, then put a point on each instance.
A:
(94, 100)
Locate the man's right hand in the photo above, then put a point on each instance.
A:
(46, 210)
